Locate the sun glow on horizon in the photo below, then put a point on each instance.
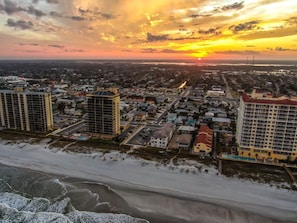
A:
(162, 29)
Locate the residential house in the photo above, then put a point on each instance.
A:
(161, 137)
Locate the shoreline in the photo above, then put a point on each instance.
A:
(165, 214)
(210, 189)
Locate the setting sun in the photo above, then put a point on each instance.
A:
(163, 29)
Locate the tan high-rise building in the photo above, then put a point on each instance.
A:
(26, 111)
(267, 126)
(104, 113)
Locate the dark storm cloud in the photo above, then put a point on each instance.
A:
(234, 6)
(19, 24)
(245, 26)
(28, 44)
(10, 7)
(36, 12)
(56, 46)
(155, 38)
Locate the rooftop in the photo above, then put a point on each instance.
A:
(24, 92)
(104, 93)
(204, 136)
(274, 100)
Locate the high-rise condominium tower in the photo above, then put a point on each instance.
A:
(26, 111)
(104, 113)
(267, 126)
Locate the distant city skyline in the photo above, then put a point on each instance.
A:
(155, 29)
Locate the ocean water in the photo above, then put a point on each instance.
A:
(28, 196)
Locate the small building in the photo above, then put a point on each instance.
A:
(61, 86)
(134, 99)
(221, 123)
(186, 129)
(203, 143)
(171, 117)
(139, 117)
(161, 137)
(151, 100)
(212, 93)
(184, 141)
(152, 110)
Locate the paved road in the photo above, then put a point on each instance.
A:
(72, 128)
(228, 92)
(172, 104)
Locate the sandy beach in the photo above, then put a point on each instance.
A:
(158, 189)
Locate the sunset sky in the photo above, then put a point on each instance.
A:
(139, 29)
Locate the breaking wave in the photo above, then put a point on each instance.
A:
(27, 196)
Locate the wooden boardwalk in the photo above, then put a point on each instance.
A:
(293, 178)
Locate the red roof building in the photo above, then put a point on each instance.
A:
(267, 126)
(203, 143)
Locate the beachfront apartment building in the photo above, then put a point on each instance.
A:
(104, 113)
(26, 111)
(267, 126)
(161, 137)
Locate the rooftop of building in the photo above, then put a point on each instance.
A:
(105, 92)
(164, 131)
(186, 128)
(185, 138)
(23, 91)
(259, 97)
(204, 136)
